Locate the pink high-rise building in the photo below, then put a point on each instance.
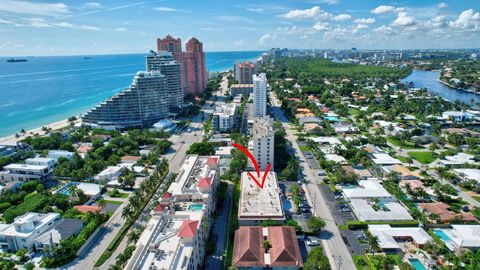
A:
(195, 62)
(194, 72)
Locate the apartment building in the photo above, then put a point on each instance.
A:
(243, 72)
(49, 162)
(25, 172)
(224, 117)
(174, 237)
(260, 95)
(263, 142)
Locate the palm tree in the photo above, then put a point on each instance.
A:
(73, 191)
(133, 236)
(127, 212)
(373, 242)
(266, 245)
(102, 203)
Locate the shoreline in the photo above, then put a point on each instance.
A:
(456, 88)
(13, 140)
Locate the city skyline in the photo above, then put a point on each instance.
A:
(109, 27)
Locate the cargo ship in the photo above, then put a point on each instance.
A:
(12, 60)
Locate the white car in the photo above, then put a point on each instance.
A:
(312, 242)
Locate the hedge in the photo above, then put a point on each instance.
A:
(356, 225)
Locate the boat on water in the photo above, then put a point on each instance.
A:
(87, 57)
(13, 60)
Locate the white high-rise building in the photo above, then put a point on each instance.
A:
(260, 95)
(262, 143)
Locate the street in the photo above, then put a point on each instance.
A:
(335, 248)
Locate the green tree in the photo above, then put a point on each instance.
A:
(266, 245)
(316, 224)
(201, 148)
(316, 260)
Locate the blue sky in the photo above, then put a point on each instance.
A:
(66, 27)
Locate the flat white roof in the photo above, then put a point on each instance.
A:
(463, 236)
(39, 160)
(392, 211)
(16, 166)
(384, 159)
(329, 140)
(460, 158)
(469, 174)
(386, 235)
(224, 151)
(335, 158)
(370, 188)
(90, 189)
(257, 203)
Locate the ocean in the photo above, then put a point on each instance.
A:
(49, 89)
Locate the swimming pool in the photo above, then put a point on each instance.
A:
(442, 235)
(195, 207)
(417, 264)
(287, 205)
(332, 118)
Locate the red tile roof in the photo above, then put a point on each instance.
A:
(205, 182)
(285, 251)
(87, 208)
(167, 195)
(160, 207)
(84, 149)
(212, 161)
(188, 228)
(248, 248)
(130, 158)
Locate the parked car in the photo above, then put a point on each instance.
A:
(322, 173)
(304, 205)
(305, 210)
(299, 182)
(312, 242)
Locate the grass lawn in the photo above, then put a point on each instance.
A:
(476, 198)
(303, 147)
(402, 159)
(362, 262)
(121, 195)
(423, 157)
(113, 202)
(407, 145)
(353, 112)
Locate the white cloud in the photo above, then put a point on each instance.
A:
(310, 13)
(342, 17)
(120, 29)
(364, 21)
(265, 39)
(93, 5)
(361, 26)
(167, 9)
(40, 8)
(321, 26)
(403, 19)
(436, 22)
(442, 5)
(386, 30)
(386, 9)
(468, 20)
(89, 27)
(6, 46)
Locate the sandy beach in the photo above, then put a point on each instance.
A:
(12, 139)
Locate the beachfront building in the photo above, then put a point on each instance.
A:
(164, 62)
(194, 58)
(23, 231)
(141, 105)
(39, 161)
(224, 117)
(174, 46)
(259, 204)
(249, 252)
(175, 236)
(243, 72)
(262, 142)
(259, 95)
(25, 172)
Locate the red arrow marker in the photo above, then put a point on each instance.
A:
(255, 164)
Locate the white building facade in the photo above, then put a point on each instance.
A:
(260, 95)
(263, 142)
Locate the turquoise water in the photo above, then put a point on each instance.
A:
(442, 235)
(195, 207)
(49, 89)
(332, 118)
(417, 264)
